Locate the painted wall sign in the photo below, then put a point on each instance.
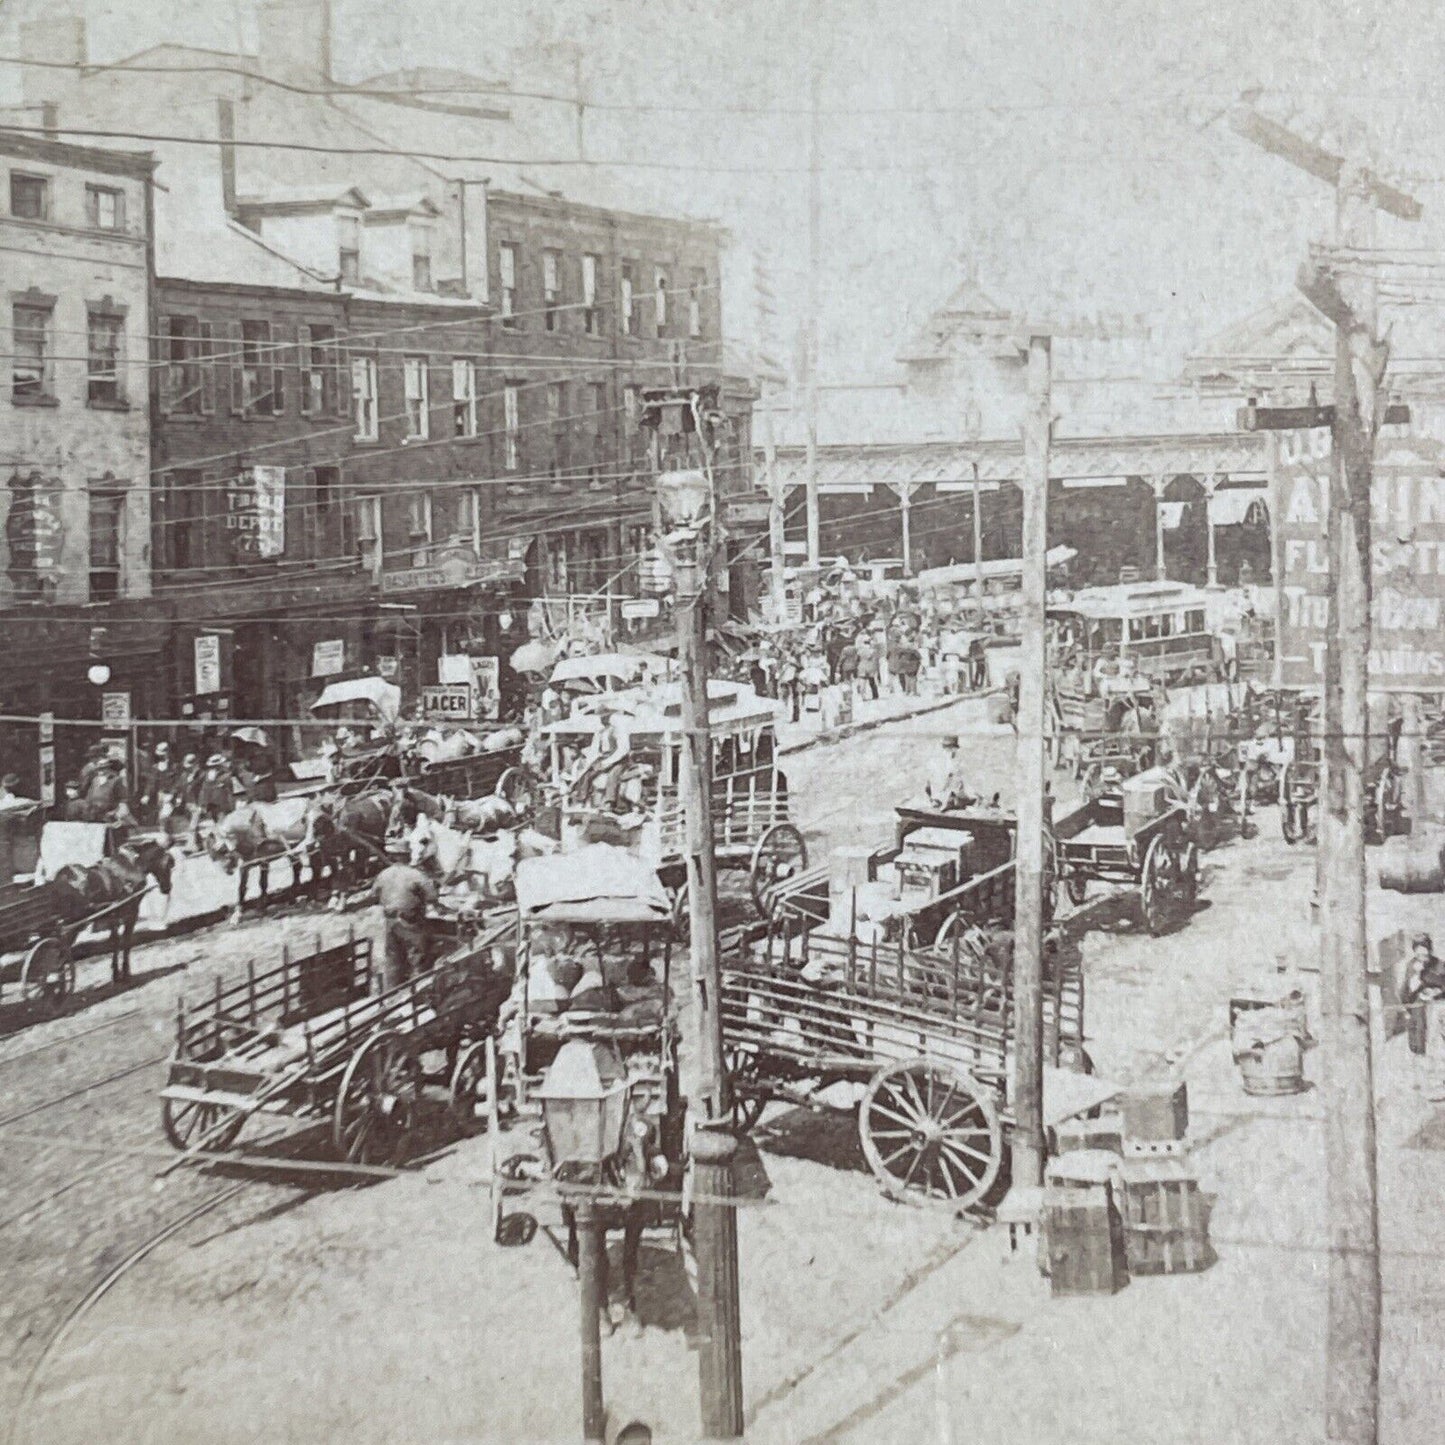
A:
(256, 512)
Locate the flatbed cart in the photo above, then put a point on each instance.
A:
(919, 1043)
(1142, 837)
(307, 1040)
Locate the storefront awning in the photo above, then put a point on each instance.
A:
(384, 696)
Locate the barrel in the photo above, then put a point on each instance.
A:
(1415, 865)
(1275, 1067)
(999, 709)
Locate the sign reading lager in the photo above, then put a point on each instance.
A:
(1407, 645)
(447, 702)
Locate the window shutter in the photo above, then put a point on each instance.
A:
(170, 377)
(308, 403)
(275, 361)
(120, 210)
(341, 394)
(238, 368)
(205, 345)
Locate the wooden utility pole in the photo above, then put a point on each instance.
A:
(815, 263)
(1352, 1372)
(1028, 1082)
(777, 519)
(589, 1276)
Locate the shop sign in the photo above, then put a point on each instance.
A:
(447, 702)
(1407, 642)
(329, 657)
(115, 711)
(34, 532)
(256, 512)
(208, 664)
(638, 609)
(486, 688)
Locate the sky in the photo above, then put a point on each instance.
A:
(1071, 154)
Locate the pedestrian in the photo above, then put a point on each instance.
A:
(867, 650)
(10, 799)
(905, 660)
(848, 663)
(812, 679)
(1424, 984)
(74, 809)
(405, 893)
(788, 672)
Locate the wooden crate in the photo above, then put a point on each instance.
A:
(1155, 1111)
(1084, 1240)
(1166, 1218)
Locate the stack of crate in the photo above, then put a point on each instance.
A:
(1165, 1214)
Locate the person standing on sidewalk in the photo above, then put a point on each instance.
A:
(867, 650)
(1424, 985)
(788, 673)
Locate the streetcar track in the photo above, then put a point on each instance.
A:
(69, 1038)
(80, 1092)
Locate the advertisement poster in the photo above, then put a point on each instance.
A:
(329, 657)
(208, 664)
(447, 702)
(256, 512)
(1407, 651)
(487, 688)
(115, 710)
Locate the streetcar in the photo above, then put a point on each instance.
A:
(1146, 629)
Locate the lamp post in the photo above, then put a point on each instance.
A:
(584, 1111)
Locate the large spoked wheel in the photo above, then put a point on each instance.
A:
(781, 853)
(376, 1104)
(518, 788)
(951, 926)
(930, 1134)
(1161, 884)
(47, 977)
(473, 1089)
(205, 1127)
(745, 1083)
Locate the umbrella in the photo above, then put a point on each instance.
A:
(256, 736)
(532, 657)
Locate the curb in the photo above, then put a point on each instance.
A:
(848, 730)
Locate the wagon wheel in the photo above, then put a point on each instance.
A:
(1291, 820)
(1160, 883)
(376, 1103)
(930, 1134)
(47, 977)
(745, 1086)
(473, 1101)
(781, 853)
(207, 1127)
(1189, 875)
(954, 923)
(517, 787)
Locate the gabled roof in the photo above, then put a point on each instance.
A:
(1290, 329)
(969, 314)
(277, 199)
(384, 207)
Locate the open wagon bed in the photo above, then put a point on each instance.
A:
(308, 1040)
(919, 1040)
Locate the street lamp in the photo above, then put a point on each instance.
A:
(584, 1111)
(98, 673)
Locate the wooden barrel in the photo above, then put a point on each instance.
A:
(999, 710)
(1417, 865)
(1276, 1067)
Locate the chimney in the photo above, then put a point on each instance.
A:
(59, 39)
(226, 129)
(296, 38)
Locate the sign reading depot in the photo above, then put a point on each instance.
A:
(1407, 649)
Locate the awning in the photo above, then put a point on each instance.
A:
(1230, 506)
(384, 696)
(595, 884)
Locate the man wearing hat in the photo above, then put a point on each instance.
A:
(944, 782)
(214, 794)
(10, 799)
(605, 759)
(405, 893)
(1423, 985)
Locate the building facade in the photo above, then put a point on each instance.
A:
(75, 228)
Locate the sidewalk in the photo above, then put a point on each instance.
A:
(820, 727)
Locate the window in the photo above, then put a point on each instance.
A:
(320, 360)
(188, 381)
(659, 280)
(180, 521)
(419, 526)
(105, 208)
(507, 266)
(258, 384)
(629, 285)
(599, 405)
(31, 374)
(590, 320)
(418, 416)
(551, 289)
(322, 511)
(348, 231)
(511, 424)
(694, 306)
(106, 511)
(363, 397)
(368, 532)
(29, 197)
(630, 404)
(105, 336)
(556, 400)
(464, 397)
(421, 258)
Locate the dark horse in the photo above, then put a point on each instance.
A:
(80, 890)
(350, 833)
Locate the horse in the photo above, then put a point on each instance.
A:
(258, 834)
(79, 890)
(349, 831)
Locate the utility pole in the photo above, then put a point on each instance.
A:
(1028, 1095)
(1352, 1373)
(687, 505)
(777, 519)
(589, 1276)
(977, 544)
(815, 261)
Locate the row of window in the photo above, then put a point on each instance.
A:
(33, 359)
(559, 300)
(32, 199)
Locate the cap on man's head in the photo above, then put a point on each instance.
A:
(191, 757)
(216, 760)
(1422, 940)
(951, 740)
(163, 746)
(11, 781)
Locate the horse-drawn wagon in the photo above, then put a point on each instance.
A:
(94, 883)
(1140, 835)
(307, 1040)
(919, 1042)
